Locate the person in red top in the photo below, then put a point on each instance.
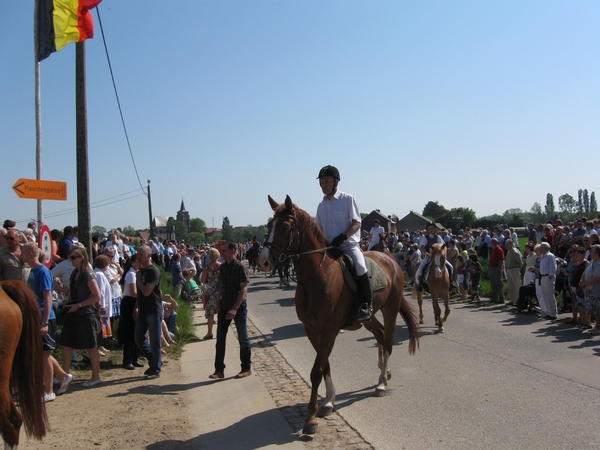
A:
(494, 270)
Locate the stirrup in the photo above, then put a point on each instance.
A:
(364, 313)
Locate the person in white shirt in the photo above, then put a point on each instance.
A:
(376, 230)
(338, 216)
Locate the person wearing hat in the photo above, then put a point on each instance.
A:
(376, 230)
(338, 216)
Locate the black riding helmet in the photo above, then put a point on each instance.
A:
(329, 171)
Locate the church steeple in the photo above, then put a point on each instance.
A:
(183, 215)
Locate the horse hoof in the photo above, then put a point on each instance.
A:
(441, 330)
(379, 392)
(310, 428)
(325, 411)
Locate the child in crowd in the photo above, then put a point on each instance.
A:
(191, 290)
(475, 276)
(169, 326)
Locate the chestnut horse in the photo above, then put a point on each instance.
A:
(21, 369)
(324, 302)
(381, 246)
(438, 285)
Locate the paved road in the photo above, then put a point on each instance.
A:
(493, 380)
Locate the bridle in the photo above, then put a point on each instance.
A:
(288, 253)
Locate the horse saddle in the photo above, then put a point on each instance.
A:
(376, 274)
(377, 280)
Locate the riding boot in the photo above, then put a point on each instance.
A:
(364, 286)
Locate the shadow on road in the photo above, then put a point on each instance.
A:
(249, 433)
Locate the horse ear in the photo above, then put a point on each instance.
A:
(273, 203)
(288, 202)
(445, 245)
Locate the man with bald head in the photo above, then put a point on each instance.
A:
(11, 266)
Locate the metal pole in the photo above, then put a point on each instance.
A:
(83, 185)
(38, 117)
(150, 210)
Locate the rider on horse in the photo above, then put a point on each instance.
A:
(338, 216)
(425, 246)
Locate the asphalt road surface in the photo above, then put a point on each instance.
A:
(494, 380)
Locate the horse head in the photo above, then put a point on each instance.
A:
(282, 232)
(438, 259)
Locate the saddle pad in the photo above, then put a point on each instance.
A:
(376, 274)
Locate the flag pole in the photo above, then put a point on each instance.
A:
(83, 185)
(38, 116)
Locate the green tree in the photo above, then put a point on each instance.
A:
(197, 226)
(536, 212)
(194, 238)
(181, 230)
(227, 229)
(586, 201)
(549, 208)
(129, 231)
(434, 211)
(215, 237)
(458, 218)
(567, 204)
(593, 204)
(580, 201)
(98, 230)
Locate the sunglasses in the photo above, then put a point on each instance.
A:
(9, 238)
(73, 258)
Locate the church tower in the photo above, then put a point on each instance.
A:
(183, 215)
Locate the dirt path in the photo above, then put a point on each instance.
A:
(124, 412)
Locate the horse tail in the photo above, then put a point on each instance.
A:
(27, 374)
(410, 318)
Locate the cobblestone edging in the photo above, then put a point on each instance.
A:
(291, 394)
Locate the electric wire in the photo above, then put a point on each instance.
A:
(118, 101)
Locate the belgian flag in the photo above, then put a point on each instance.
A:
(60, 22)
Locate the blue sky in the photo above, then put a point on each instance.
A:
(488, 105)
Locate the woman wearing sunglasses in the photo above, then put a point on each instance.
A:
(82, 329)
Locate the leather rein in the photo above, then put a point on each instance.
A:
(285, 254)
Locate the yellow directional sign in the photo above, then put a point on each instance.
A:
(40, 189)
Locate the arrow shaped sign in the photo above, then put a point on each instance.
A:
(40, 189)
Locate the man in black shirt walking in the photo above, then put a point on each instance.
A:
(233, 276)
(148, 308)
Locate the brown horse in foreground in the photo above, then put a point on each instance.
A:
(324, 300)
(438, 284)
(21, 369)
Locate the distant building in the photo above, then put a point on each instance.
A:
(159, 227)
(386, 222)
(414, 221)
(183, 215)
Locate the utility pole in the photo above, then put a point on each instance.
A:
(150, 210)
(83, 184)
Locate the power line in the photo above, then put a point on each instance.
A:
(117, 97)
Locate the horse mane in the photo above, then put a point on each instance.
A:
(305, 223)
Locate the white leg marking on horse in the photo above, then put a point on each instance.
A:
(385, 371)
(329, 391)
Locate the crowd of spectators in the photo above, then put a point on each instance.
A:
(558, 259)
(95, 297)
